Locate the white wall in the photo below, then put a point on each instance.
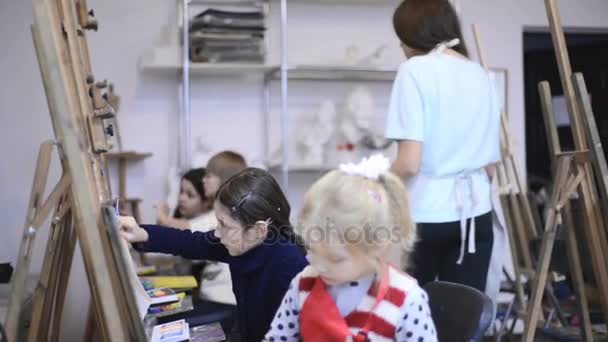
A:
(318, 34)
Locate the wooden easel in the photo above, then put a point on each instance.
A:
(567, 219)
(81, 202)
(522, 228)
(569, 174)
(37, 212)
(567, 183)
(595, 225)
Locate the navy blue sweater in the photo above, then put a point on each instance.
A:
(260, 277)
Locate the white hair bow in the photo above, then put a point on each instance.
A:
(371, 167)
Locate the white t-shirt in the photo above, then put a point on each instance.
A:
(204, 222)
(450, 105)
(216, 282)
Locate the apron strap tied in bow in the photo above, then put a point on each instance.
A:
(441, 47)
(465, 207)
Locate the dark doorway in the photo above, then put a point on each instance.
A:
(589, 55)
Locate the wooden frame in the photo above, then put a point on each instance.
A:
(574, 258)
(78, 110)
(595, 225)
(566, 183)
(516, 208)
(594, 217)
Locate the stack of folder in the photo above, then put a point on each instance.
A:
(227, 36)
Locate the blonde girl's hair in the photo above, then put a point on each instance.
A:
(366, 214)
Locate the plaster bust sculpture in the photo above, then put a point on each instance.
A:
(314, 136)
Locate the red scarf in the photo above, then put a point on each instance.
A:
(320, 319)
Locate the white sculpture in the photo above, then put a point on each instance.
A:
(357, 115)
(357, 122)
(317, 130)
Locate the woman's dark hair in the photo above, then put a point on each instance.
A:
(422, 24)
(195, 176)
(254, 195)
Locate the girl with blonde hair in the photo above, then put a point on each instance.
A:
(354, 221)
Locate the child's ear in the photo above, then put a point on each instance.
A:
(261, 229)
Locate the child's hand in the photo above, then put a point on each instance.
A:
(131, 231)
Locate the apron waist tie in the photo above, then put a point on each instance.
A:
(465, 211)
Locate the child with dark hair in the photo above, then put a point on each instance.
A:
(189, 215)
(193, 206)
(254, 237)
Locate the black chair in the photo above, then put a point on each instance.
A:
(460, 312)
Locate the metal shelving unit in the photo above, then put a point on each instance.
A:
(268, 73)
(188, 68)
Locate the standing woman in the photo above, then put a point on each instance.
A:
(445, 116)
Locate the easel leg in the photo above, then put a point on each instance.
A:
(574, 261)
(519, 292)
(89, 330)
(69, 242)
(541, 278)
(45, 293)
(521, 234)
(535, 308)
(527, 217)
(29, 233)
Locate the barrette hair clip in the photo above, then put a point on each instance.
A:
(242, 201)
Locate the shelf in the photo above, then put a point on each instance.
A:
(215, 69)
(127, 155)
(166, 61)
(337, 73)
(230, 69)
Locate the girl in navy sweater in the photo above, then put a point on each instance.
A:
(254, 236)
